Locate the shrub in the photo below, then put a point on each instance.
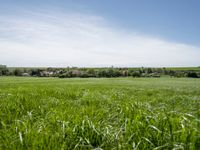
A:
(136, 74)
(192, 75)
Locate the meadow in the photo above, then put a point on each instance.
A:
(99, 113)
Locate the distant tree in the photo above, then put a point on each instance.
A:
(35, 72)
(165, 71)
(85, 75)
(117, 73)
(25, 70)
(192, 75)
(172, 73)
(67, 74)
(179, 74)
(110, 72)
(3, 70)
(18, 72)
(136, 74)
(130, 71)
(149, 70)
(101, 73)
(90, 73)
(142, 70)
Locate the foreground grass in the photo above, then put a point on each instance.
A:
(121, 113)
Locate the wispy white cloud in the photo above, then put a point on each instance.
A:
(75, 39)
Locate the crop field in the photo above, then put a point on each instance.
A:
(99, 113)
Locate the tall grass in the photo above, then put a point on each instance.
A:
(122, 113)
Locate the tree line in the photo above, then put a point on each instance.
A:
(109, 72)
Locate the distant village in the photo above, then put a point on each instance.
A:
(71, 72)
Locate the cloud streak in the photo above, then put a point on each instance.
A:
(75, 39)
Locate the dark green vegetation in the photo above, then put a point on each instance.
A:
(105, 113)
(192, 72)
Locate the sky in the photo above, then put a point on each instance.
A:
(100, 33)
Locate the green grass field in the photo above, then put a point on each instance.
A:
(117, 113)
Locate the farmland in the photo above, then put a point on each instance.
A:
(99, 113)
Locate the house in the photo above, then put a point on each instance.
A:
(25, 74)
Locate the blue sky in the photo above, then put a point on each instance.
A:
(130, 33)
